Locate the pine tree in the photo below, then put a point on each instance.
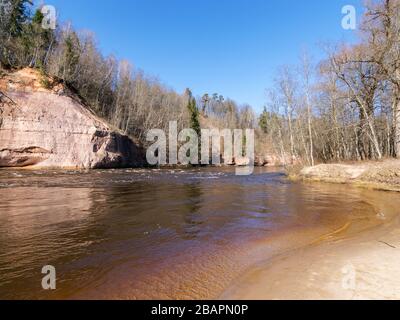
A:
(37, 18)
(194, 116)
(19, 15)
(41, 40)
(71, 57)
(14, 17)
(264, 121)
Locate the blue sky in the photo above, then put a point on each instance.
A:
(232, 47)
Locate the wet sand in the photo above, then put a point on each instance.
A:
(344, 265)
(295, 263)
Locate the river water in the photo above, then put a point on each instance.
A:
(166, 234)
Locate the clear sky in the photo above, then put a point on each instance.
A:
(231, 47)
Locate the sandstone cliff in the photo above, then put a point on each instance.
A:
(45, 128)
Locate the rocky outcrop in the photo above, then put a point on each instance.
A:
(380, 175)
(274, 160)
(22, 157)
(242, 161)
(45, 128)
(334, 171)
(260, 161)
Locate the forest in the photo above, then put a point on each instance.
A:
(345, 107)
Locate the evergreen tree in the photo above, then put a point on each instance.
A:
(264, 120)
(194, 115)
(40, 41)
(14, 16)
(38, 17)
(71, 57)
(19, 15)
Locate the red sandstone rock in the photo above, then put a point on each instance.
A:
(47, 128)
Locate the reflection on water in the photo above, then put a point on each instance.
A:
(149, 233)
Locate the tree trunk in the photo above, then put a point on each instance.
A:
(310, 132)
(369, 122)
(397, 129)
(292, 151)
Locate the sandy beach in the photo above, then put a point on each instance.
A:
(344, 265)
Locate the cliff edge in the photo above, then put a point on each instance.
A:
(45, 125)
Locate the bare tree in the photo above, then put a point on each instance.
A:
(381, 27)
(362, 81)
(306, 74)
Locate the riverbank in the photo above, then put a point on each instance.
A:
(350, 263)
(382, 175)
(361, 267)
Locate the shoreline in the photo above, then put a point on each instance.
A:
(381, 175)
(361, 267)
(341, 265)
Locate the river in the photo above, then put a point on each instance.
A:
(158, 234)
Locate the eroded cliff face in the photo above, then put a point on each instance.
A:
(45, 128)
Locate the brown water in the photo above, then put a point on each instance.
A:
(143, 234)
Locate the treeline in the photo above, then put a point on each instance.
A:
(115, 90)
(346, 107)
(126, 97)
